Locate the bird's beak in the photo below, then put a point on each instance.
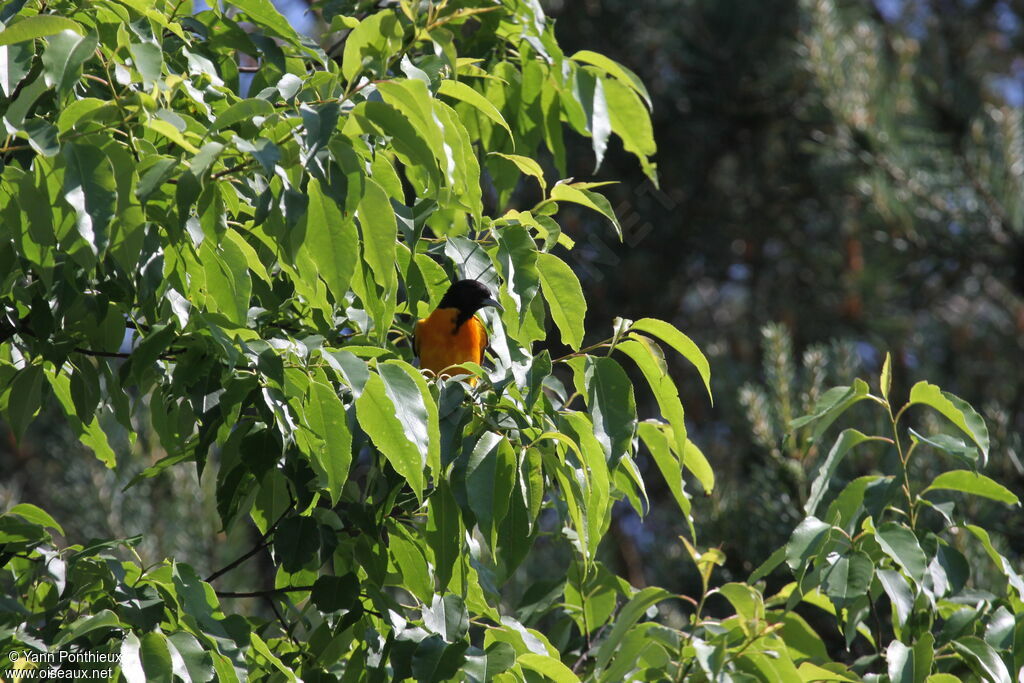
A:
(494, 303)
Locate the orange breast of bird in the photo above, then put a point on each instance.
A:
(440, 344)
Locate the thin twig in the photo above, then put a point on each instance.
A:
(260, 545)
(263, 593)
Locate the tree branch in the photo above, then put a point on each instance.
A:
(260, 545)
(263, 593)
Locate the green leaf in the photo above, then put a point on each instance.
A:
(154, 177)
(564, 296)
(408, 553)
(644, 645)
(464, 93)
(103, 619)
(900, 543)
(1001, 562)
(885, 381)
(327, 419)
(849, 577)
(805, 541)
(245, 110)
(612, 406)
(204, 158)
(332, 241)
(490, 476)
(447, 617)
(588, 92)
(830, 406)
(812, 673)
(380, 230)
(427, 115)
(443, 532)
(632, 123)
(24, 398)
(525, 165)
(63, 58)
(378, 416)
(260, 646)
(39, 26)
(982, 659)
(191, 662)
(517, 256)
(1000, 630)
(35, 514)
(148, 61)
(749, 606)
(694, 460)
(613, 68)
(670, 468)
(411, 147)
(630, 613)
(168, 131)
(266, 16)
(435, 660)
(228, 285)
(802, 642)
(768, 566)
(924, 655)
(824, 469)
(954, 409)
(335, 593)
(566, 192)
(156, 657)
(89, 433)
(370, 44)
(42, 136)
(131, 660)
(900, 594)
(415, 407)
(496, 659)
(90, 189)
(547, 666)
(950, 445)
(668, 333)
(900, 662)
(296, 543)
(649, 358)
(19, 58)
(974, 484)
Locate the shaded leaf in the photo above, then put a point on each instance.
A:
(612, 406)
(377, 415)
(983, 659)
(824, 469)
(900, 543)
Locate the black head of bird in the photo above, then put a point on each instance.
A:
(469, 296)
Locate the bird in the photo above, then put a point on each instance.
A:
(452, 334)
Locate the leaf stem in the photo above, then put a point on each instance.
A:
(904, 463)
(583, 351)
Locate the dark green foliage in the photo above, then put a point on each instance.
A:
(229, 261)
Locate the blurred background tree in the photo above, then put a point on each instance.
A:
(849, 171)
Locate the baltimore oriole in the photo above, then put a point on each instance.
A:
(452, 334)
